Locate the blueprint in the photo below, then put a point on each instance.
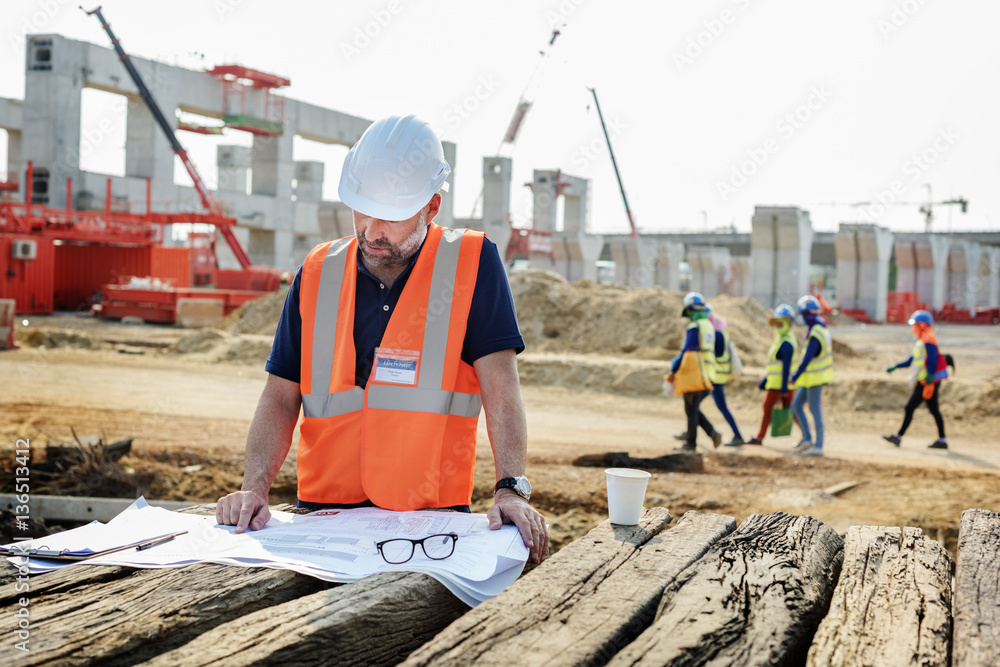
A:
(334, 545)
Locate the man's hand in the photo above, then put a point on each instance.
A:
(786, 399)
(795, 378)
(510, 508)
(670, 378)
(243, 509)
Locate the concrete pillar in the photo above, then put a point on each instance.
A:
(15, 165)
(497, 175)
(233, 163)
(544, 213)
(780, 244)
(863, 253)
(989, 277)
(635, 261)
(963, 275)
(581, 252)
(922, 260)
(309, 181)
(669, 256)
(742, 276)
(52, 106)
(709, 269)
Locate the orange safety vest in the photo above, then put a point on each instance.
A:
(402, 446)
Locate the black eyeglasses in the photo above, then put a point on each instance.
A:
(400, 550)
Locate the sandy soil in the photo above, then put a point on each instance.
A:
(189, 413)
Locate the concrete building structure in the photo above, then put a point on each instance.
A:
(278, 222)
(863, 254)
(710, 269)
(781, 246)
(921, 261)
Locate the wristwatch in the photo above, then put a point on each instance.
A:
(518, 485)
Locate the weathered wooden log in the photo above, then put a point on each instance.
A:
(755, 598)
(583, 604)
(681, 462)
(976, 637)
(86, 613)
(378, 620)
(892, 605)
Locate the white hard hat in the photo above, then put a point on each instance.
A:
(394, 169)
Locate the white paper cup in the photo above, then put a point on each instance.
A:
(626, 490)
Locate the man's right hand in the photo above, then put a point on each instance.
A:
(243, 509)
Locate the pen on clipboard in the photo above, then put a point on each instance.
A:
(158, 540)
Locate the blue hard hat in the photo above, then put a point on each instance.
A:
(921, 316)
(784, 310)
(693, 300)
(808, 304)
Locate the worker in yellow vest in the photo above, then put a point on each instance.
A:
(699, 341)
(777, 383)
(392, 341)
(725, 355)
(929, 369)
(815, 371)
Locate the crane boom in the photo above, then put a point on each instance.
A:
(614, 163)
(199, 185)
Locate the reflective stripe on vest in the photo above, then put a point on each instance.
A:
(706, 342)
(820, 368)
(774, 365)
(724, 362)
(400, 446)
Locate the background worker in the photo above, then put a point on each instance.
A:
(777, 383)
(700, 339)
(723, 372)
(929, 369)
(392, 341)
(815, 372)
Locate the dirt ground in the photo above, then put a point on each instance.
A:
(186, 398)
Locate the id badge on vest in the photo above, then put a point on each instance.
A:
(400, 367)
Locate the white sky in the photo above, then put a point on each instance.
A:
(888, 80)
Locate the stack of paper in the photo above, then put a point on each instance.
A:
(334, 545)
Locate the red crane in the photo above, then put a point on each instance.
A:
(199, 185)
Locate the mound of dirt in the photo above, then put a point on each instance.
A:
(202, 340)
(259, 316)
(52, 338)
(582, 317)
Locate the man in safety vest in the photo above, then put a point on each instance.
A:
(815, 372)
(391, 341)
(930, 368)
(700, 342)
(722, 372)
(777, 383)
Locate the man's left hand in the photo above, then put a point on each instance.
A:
(510, 508)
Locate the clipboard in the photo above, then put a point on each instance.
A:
(70, 555)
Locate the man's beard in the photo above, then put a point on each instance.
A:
(397, 254)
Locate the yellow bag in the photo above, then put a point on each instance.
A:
(691, 375)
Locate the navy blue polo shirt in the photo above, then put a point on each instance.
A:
(492, 324)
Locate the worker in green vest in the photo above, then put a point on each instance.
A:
(777, 384)
(815, 371)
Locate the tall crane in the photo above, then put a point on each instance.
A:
(614, 163)
(927, 208)
(199, 185)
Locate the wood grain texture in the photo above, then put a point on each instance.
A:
(117, 615)
(378, 620)
(755, 598)
(976, 637)
(584, 600)
(892, 605)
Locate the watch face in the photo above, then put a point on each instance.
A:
(523, 487)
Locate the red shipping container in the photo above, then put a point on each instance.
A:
(27, 281)
(82, 269)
